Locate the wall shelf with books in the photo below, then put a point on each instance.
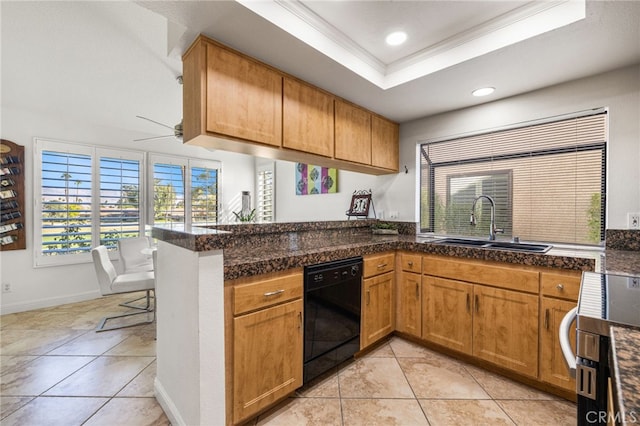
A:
(12, 213)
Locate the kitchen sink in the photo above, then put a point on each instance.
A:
(462, 242)
(495, 245)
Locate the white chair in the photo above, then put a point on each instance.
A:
(134, 259)
(112, 283)
(132, 256)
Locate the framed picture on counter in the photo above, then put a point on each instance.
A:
(360, 203)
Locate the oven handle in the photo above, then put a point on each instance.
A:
(565, 345)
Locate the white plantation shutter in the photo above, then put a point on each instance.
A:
(121, 197)
(547, 179)
(265, 202)
(84, 196)
(204, 195)
(184, 190)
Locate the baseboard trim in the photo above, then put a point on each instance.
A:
(167, 404)
(12, 308)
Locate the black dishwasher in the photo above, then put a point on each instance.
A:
(332, 304)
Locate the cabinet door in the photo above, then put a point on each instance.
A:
(553, 368)
(505, 328)
(353, 133)
(384, 143)
(409, 317)
(308, 119)
(267, 357)
(377, 308)
(446, 313)
(244, 98)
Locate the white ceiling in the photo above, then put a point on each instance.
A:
(106, 62)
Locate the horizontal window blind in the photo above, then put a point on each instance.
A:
(547, 181)
(119, 200)
(265, 201)
(168, 193)
(65, 191)
(204, 196)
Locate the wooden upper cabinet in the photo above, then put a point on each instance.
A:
(308, 124)
(353, 133)
(384, 143)
(235, 103)
(244, 97)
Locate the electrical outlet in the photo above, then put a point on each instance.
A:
(393, 214)
(633, 220)
(6, 288)
(633, 282)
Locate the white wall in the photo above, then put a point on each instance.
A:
(48, 286)
(297, 208)
(618, 90)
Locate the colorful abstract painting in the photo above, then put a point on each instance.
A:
(315, 180)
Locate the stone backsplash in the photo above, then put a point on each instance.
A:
(622, 239)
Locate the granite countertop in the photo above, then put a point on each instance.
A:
(625, 372)
(261, 248)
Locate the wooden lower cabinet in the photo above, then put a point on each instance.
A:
(409, 312)
(377, 308)
(267, 357)
(505, 328)
(553, 368)
(446, 313)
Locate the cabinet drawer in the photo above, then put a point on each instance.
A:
(561, 285)
(493, 274)
(378, 264)
(411, 262)
(260, 294)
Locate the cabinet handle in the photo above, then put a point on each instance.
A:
(468, 303)
(546, 318)
(368, 297)
(274, 293)
(560, 287)
(417, 291)
(410, 263)
(300, 320)
(382, 265)
(477, 303)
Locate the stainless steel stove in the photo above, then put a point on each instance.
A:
(605, 300)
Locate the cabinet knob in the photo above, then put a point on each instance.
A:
(410, 263)
(560, 287)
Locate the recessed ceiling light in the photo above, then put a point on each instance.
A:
(396, 38)
(483, 91)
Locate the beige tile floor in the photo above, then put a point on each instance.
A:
(55, 370)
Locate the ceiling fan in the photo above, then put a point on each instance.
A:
(177, 130)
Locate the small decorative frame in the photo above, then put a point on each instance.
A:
(360, 203)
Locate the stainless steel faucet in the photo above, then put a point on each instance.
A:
(492, 227)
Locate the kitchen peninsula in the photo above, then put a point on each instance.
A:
(194, 264)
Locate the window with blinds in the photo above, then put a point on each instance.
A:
(204, 196)
(84, 196)
(265, 194)
(119, 200)
(184, 190)
(168, 193)
(65, 193)
(87, 195)
(547, 181)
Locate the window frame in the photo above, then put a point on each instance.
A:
(426, 180)
(96, 153)
(188, 163)
(263, 168)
